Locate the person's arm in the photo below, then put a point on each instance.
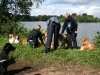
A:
(75, 24)
(48, 22)
(30, 36)
(63, 27)
(41, 39)
(59, 26)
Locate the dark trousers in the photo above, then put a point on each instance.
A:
(71, 36)
(34, 43)
(52, 29)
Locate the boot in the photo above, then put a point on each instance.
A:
(47, 50)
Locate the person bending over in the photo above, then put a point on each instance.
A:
(53, 27)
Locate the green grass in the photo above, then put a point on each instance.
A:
(36, 56)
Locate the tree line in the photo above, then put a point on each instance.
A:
(79, 18)
(14, 11)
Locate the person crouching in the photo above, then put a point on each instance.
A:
(34, 35)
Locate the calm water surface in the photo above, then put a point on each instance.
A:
(88, 30)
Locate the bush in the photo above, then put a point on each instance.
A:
(97, 40)
(13, 27)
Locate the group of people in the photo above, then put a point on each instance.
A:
(53, 27)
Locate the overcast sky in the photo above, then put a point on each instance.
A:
(60, 7)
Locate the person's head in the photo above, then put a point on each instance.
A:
(55, 16)
(38, 27)
(67, 16)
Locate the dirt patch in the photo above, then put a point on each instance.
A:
(19, 68)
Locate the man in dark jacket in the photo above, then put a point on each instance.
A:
(34, 35)
(53, 27)
(71, 27)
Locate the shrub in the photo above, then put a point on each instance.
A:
(13, 27)
(97, 39)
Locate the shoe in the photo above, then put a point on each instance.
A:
(66, 48)
(47, 50)
(44, 53)
(33, 46)
(56, 48)
(76, 47)
(69, 47)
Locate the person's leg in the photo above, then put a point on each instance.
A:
(31, 43)
(49, 38)
(36, 44)
(69, 38)
(56, 36)
(74, 35)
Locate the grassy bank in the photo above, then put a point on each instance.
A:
(28, 54)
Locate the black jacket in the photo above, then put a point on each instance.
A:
(74, 25)
(34, 35)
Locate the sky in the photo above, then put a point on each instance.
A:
(61, 7)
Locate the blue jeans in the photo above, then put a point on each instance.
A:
(35, 44)
(31, 43)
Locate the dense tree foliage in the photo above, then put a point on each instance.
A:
(13, 11)
(10, 12)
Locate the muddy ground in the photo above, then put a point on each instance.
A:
(19, 68)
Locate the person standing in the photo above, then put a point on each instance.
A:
(71, 27)
(34, 35)
(53, 27)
